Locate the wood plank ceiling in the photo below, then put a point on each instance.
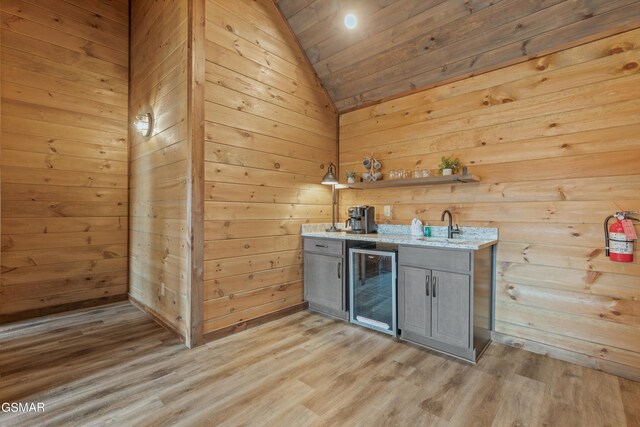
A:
(403, 45)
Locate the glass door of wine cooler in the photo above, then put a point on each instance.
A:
(372, 285)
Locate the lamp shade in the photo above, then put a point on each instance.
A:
(330, 177)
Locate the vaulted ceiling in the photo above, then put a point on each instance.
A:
(401, 45)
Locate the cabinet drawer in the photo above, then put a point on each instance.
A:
(323, 246)
(441, 259)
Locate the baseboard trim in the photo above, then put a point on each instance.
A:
(252, 323)
(146, 310)
(61, 308)
(585, 360)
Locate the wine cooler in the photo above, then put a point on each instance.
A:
(372, 289)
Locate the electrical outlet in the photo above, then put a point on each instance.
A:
(387, 210)
(161, 289)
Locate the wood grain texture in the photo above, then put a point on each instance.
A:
(161, 174)
(113, 365)
(1, 139)
(196, 99)
(63, 156)
(270, 131)
(403, 45)
(554, 142)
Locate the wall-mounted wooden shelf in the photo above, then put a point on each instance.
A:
(428, 180)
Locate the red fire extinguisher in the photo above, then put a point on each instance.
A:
(619, 237)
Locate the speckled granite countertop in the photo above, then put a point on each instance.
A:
(472, 238)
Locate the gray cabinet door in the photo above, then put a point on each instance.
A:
(324, 280)
(414, 301)
(450, 316)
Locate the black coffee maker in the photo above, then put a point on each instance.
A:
(362, 220)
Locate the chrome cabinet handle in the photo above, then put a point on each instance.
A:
(427, 283)
(340, 270)
(434, 286)
(321, 246)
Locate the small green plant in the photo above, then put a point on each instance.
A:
(452, 163)
(351, 174)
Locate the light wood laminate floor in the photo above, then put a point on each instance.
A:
(114, 365)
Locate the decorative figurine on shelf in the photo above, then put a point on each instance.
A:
(450, 165)
(372, 165)
(351, 177)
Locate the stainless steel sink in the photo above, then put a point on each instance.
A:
(459, 241)
(443, 240)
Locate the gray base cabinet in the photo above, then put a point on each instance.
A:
(450, 311)
(439, 291)
(324, 277)
(414, 300)
(444, 296)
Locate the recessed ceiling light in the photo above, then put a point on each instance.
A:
(350, 21)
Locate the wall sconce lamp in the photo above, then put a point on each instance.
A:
(331, 179)
(144, 124)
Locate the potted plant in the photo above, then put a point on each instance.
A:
(351, 177)
(450, 165)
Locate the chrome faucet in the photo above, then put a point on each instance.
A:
(450, 230)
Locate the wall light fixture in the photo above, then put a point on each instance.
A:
(331, 179)
(144, 124)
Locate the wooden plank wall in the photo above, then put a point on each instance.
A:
(556, 143)
(64, 71)
(270, 131)
(401, 45)
(159, 165)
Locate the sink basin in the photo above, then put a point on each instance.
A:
(458, 241)
(443, 240)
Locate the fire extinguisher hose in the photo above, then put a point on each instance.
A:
(606, 234)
